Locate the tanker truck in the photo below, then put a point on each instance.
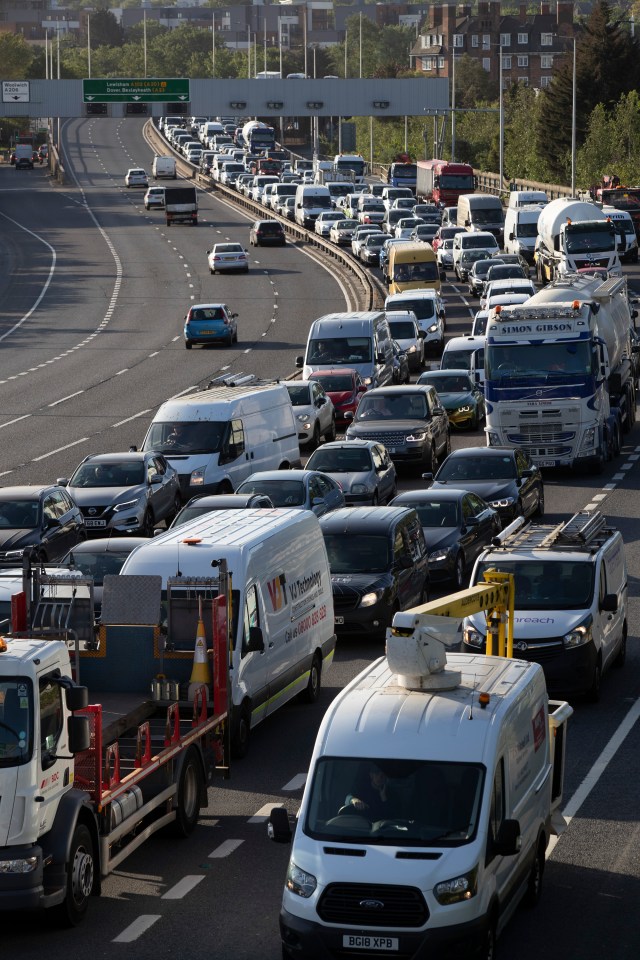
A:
(258, 137)
(574, 235)
(559, 380)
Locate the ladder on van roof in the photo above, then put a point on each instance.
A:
(586, 530)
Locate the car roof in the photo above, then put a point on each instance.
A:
(398, 390)
(350, 444)
(362, 520)
(449, 372)
(225, 501)
(206, 306)
(328, 372)
(424, 496)
(131, 456)
(109, 545)
(26, 491)
(282, 475)
(483, 452)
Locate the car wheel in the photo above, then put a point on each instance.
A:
(433, 458)
(375, 499)
(330, 435)
(474, 420)
(230, 340)
(211, 270)
(175, 510)
(188, 344)
(539, 511)
(447, 447)
(147, 523)
(459, 571)
(235, 337)
(488, 945)
(240, 730)
(394, 493)
(315, 439)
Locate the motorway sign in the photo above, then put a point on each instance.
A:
(135, 90)
(15, 91)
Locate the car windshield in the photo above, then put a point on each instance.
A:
(546, 584)
(299, 393)
(451, 384)
(336, 382)
(470, 256)
(340, 350)
(435, 513)
(482, 267)
(19, 514)
(541, 360)
(509, 271)
(97, 564)
(16, 721)
(477, 468)
(408, 803)
(392, 407)
(125, 474)
(340, 460)
(202, 436)
(346, 224)
(357, 554)
(403, 330)
(283, 493)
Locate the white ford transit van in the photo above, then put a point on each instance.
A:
(215, 438)
(430, 800)
(282, 633)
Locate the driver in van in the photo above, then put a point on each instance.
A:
(371, 797)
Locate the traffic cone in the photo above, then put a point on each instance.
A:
(201, 673)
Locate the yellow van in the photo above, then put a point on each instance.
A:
(412, 266)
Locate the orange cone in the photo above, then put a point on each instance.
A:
(201, 672)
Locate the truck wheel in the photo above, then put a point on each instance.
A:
(240, 730)
(534, 884)
(80, 874)
(189, 790)
(312, 691)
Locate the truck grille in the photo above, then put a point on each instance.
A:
(540, 433)
(370, 905)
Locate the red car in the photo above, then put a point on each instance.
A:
(344, 387)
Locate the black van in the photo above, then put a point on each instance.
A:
(379, 565)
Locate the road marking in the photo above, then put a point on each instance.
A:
(155, 353)
(609, 486)
(599, 496)
(626, 466)
(598, 768)
(182, 392)
(182, 888)
(136, 929)
(618, 476)
(52, 268)
(129, 419)
(5, 472)
(297, 783)
(60, 449)
(262, 815)
(226, 847)
(62, 399)
(120, 372)
(25, 416)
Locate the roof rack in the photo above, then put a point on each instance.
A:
(586, 530)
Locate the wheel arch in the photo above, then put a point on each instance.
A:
(73, 810)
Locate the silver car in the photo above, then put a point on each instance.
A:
(125, 492)
(313, 412)
(362, 468)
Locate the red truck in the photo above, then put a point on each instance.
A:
(439, 181)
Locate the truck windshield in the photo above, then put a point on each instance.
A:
(203, 436)
(358, 167)
(583, 237)
(534, 360)
(400, 803)
(456, 181)
(16, 721)
(546, 584)
(404, 171)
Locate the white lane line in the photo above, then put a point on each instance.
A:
(52, 268)
(262, 815)
(609, 486)
(129, 419)
(62, 399)
(154, 354)
(5, 472)
(25, 416)
(182, 888)
(590, 506)
(120, 372)
(136, 929)
(226, 847)
(182, 392)
(598, 768)
(297, 783)
(618, 476)
(634, 456)
(599, 496)
(60, 449)
(626, 466)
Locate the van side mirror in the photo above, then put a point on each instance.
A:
(467, 222)
(255, 641)
(609, 603)
(278, 827)
(512, 236)
(508, 841)
(78, 736)
(299, 361)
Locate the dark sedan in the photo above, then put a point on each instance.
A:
(457, 526)
(267, 232)
(97, 558)
(198, 506)
(44, 517)
(505, 477)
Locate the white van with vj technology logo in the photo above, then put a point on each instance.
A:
(282, 602)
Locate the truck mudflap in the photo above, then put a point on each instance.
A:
(559, 713)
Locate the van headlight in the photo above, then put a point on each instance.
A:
(579, 635)
(299, 881)
(370, 598)
(433, 328)
(457, 889)
(473, 637)
(197, 478)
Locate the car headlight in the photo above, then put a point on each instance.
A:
(367, 381)
(303, 418)
(439, 555)
(360, 488)
(579, 635)
(417, 437)
(457, 889)
(197, 478)
(465, 409)
(129, 505)
(299, 881)
(370, 598)
(433, 328)
(412, 349)
(473, 637)
(502, 502)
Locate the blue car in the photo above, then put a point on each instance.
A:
(210, 323)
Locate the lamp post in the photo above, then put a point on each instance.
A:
(501, 108)
(144, 33)
(213, 44)
(573, 124)
(453, 105)
(280, 43)
(89, 45)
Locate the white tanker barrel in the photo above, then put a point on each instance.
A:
(557, 212)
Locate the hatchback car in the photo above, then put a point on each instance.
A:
(154, 197)
(44, 517)
(478, 275)
(125, 492)
(459, 395)
(267, 232)
(342, 232)
(210, 323)
(344, 387)
(287, 208)
(228, 256)
(306, 489)
(370, 248)
(378, 563)
(404, 329)
(444, 254)
(325, 221)
(457, 526)
(424, 232)
(313, 412)
(505, 477)
(136, 177)
(97, 558)
(362, 468)
(198, 506)
(362, 231)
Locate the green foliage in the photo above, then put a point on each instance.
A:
(105, 29)
(473, 83)
(612, 144)
(15, 56)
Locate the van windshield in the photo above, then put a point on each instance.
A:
(361, 554)
(423, 307)
(202, 436)
(546, 584)
(400, 803)
(410, 272)
(340, 350)
(461, 359)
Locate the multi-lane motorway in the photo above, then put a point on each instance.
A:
(93, 291)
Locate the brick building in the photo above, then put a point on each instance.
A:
(533, 46)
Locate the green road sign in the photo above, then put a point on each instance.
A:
(135, 90)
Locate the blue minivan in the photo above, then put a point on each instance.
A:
(210, 323)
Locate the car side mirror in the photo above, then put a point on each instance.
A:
(133, 448)
(427, 476)
(439, 411)
(62, 481)
(471, 522)
(609, 603)
(422, 334)
(255, 641)
(508, 842)
(51, 523)
(155, 480)
(349, 415)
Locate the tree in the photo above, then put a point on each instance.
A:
(521, 107)
(105, 29)
(473, 83)
(15, 56)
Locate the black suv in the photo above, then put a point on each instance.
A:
(44, 517)
(409, 420)
(379, 565)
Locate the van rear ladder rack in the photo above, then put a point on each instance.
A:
(586, 530)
